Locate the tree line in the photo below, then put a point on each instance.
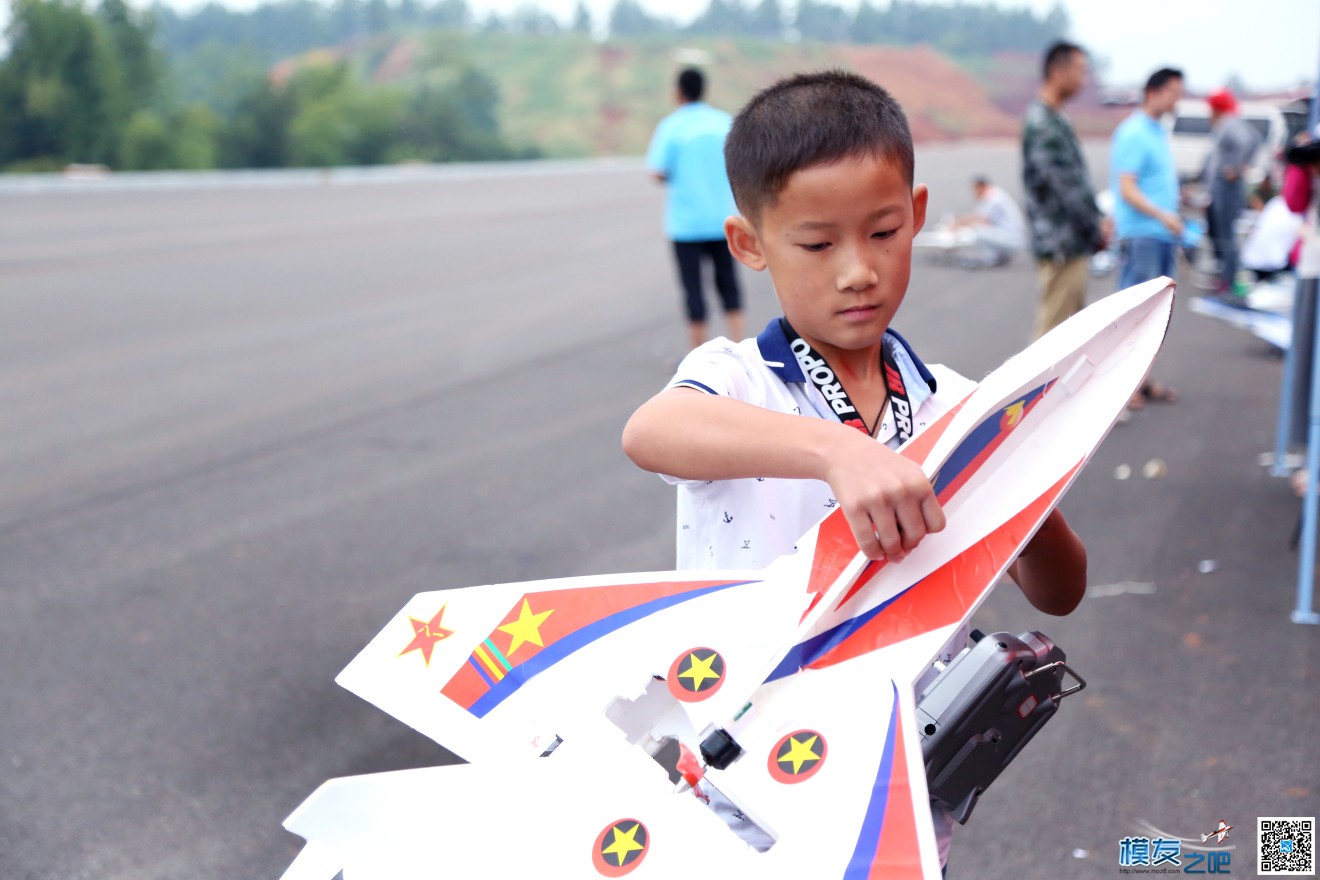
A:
(154, 88)
(101, 87)
(277, 29)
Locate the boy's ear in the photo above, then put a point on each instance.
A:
(919, 197)
(744, 243)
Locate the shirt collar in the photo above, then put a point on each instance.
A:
(776, 355)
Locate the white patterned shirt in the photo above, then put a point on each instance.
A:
(748, 523)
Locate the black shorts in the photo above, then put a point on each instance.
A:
(689, 255)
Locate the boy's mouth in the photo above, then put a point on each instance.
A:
(860, 311)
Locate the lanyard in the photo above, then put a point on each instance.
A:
(816, 369)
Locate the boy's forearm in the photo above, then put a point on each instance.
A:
(1051, 571)
(691, 435)
(887, 499)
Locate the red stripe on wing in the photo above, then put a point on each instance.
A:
(835, 545)
(944, 597)
(898, 853)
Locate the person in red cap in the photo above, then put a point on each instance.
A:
(1235, 143)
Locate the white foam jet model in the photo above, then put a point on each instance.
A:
(558, 692)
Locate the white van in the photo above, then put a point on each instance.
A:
(1189, 133)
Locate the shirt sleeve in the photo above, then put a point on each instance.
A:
(1127, 156)
(1296, 188)
(716, 368)
(660, 154)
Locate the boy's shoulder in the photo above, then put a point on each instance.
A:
(750, 370)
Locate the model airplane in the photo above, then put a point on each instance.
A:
(1219, 833)
(960, 246)
(1266, 312)
(794, 683)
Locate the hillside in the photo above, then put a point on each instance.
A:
(568, 95)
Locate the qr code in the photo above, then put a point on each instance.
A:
(1285, 846)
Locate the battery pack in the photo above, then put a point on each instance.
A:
(983, 708)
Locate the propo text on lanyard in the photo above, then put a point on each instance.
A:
(815, 368)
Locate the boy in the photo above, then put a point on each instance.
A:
(821, 167)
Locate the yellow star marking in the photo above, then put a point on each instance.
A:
(1013, 414)
(527, 628)
(800, 753)
(623, 844)
(700, 670)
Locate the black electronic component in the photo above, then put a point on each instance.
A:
(980, 711)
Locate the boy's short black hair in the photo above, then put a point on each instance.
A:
(806, 120)
(691, 84)
(1159, 78)
(1059, 54)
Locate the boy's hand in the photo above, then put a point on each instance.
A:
(886, 498)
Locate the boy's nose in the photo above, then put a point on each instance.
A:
(856, 273)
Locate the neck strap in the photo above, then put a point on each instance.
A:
(821, 374)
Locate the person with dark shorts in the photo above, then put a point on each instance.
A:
(687, 155)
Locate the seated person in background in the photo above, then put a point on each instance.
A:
(1269, 244)
(995, 223)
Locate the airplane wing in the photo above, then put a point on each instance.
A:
(601, 807)
(1264, 324)
(809, 665)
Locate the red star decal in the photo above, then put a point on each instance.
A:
(425, 634)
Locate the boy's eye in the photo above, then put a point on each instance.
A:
(887, 233)
(815, 247)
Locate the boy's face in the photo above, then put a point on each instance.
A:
(838, 243)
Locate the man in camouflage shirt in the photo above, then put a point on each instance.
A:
(1066, 226)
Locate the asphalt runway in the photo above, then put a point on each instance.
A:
(243, 424)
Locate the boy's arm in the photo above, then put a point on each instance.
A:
(1051, 570)
(887, 500)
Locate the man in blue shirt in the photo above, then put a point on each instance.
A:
(687, 155)
(1145, 182)
(1143, 177)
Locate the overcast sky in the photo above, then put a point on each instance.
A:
(1267, 43)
